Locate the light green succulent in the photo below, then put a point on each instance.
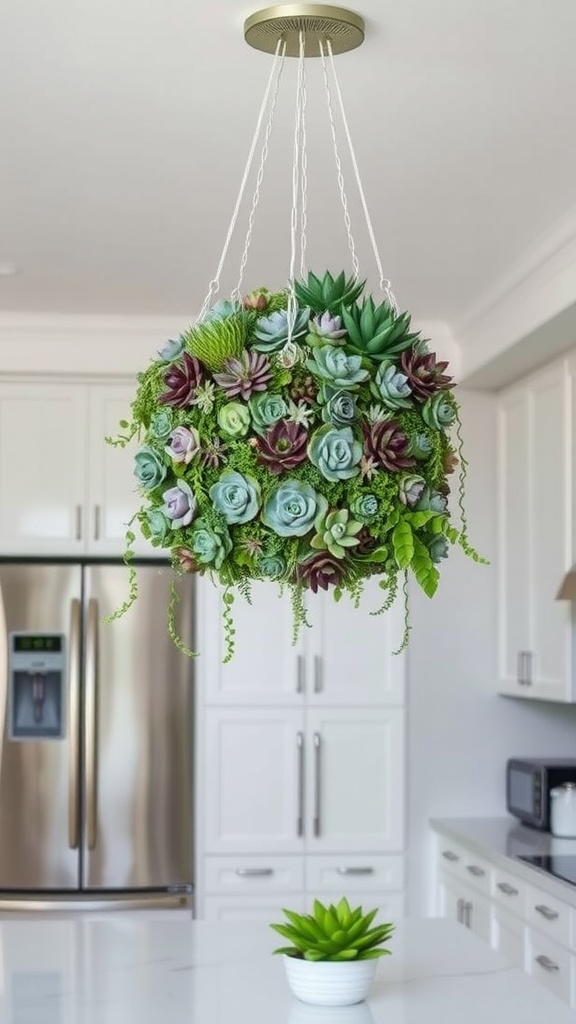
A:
(325, 330)
(333, 933)
(335, 532)
(438, 411)
(377, 332)
(327, 294)
(271, 332)
(341, 371)
(217, 339)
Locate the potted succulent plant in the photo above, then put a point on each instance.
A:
(332, 954)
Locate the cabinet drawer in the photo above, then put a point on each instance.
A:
(256, 908)
(551, 965)
(509, 891)
(354, 873)
(550, 915)
(390, 904)
(259, 874)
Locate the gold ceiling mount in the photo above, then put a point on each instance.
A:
(318, 22)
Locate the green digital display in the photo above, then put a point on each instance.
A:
(37, 642)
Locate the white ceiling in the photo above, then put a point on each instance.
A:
(124, 127)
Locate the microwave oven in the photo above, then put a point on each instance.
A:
(528, 785)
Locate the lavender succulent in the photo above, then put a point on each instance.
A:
(325, 329)
(179, 505)
(183, 445)
(410, 489)
(243, 376)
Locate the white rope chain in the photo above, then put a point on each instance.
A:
(385, 284)
(343, 196)
(303, 176)
(215, 282)
(236, 294)
(292, 310)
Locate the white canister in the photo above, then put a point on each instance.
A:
(563, 810)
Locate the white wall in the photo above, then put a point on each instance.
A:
(460, 733)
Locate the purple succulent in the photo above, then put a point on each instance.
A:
(320, 570)
(283, 446)
(387, 445)
(182, 380)
(244, 375)
(423, 373)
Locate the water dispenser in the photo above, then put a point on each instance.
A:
(36, 674)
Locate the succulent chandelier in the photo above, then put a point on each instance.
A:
(301, 436)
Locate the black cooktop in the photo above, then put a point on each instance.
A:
(561, 865)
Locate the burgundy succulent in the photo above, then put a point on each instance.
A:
(321, 570)
(283, 446)
(366, 542)
(187, 561)
(423, 373)
(387, 445)
(244, 375)
(182, 379)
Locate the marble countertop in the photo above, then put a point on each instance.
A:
(502, 840)
(130, 971)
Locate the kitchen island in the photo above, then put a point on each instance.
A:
(126, 970)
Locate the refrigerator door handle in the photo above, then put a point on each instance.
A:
(90, 741)
(73, 745)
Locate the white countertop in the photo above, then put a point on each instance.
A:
(501, 840)
(130, 971)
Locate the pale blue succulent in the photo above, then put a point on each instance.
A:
(335, 452)
(161, 425)
(266, 409)
(340, 407)
(333, 366)
(236, 497)
(271, 332)
(365, 506)
(420, 446)
(438, 547)
(171, 350)
(158, 524)
(149, 469)
(292, 507)
(438, 411)
(210, 544)
(221, 310)
(272, 566)
(392, 387)
(431, 500)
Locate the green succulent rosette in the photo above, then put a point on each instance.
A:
(306, 439)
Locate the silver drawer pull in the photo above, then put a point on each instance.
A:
(475, 870)
(448, 855)
(547, 963)
(550, 915)
(508, 890)
(254, 872)
(355, 871)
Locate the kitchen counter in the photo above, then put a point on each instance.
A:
(501, 840)
(130, 971)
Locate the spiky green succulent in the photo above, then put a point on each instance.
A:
(217, 339)
(327, 294)
(271, 332)
(377, 332)
(333, 933)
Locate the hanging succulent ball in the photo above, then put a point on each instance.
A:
(309, 445)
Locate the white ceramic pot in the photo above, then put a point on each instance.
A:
(329, 983)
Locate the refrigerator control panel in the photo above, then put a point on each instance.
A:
(36, 676)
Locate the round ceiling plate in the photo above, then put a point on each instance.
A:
(318, 22)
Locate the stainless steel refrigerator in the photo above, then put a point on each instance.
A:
(96, 748)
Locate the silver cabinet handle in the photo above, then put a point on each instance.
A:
(96, 522)
(475, 870)
(300, 673)
(528, 669)
(468, 910)
(78, 516)
(300, 783)
(355, 871)
(317, 784)
(317, 674)
(460, 911)
(547, 913)
(254, 872)
(508, 890)
(449, 855)
(547, 963)
(520, 668)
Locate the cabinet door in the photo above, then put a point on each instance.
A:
(478, 915)
(253, 780)
(266, 668)
(351, 660)
(355, 780)
(551, 527)
(449, 899)
(508, 935)
(42, 468)
(514, 540)
(113, 497)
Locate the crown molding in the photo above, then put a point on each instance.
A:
(535, 290)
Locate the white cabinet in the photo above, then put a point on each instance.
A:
(507, 935)
(63, 490)
(535, 535)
